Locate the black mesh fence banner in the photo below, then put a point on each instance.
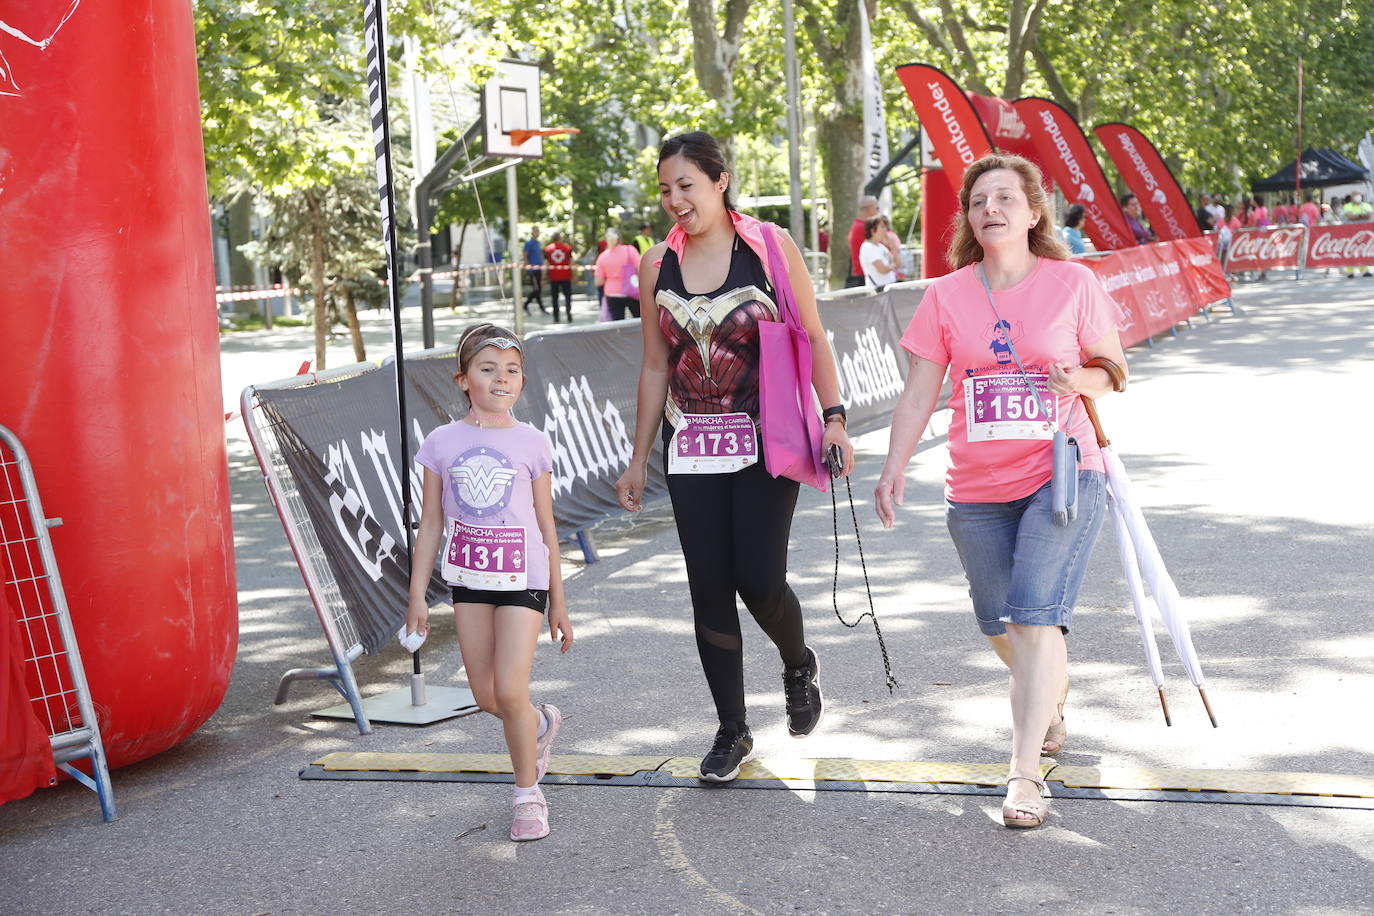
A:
(339, 437)
(339, 440)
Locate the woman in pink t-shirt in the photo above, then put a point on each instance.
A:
(1051, 315)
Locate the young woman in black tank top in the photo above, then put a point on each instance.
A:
(700, 372)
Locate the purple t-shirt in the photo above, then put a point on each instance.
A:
(488, 476)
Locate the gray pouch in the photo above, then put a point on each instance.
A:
(1064, 479)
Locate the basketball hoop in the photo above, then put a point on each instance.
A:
(519, 136)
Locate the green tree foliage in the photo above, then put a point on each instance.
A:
(1214, 85)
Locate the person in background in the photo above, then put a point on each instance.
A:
(1130, 205)
(645, 240)
(1309, 214)
(876, 261)
(1259, 214)
(1356, 210)
(617, 272)
(534, 270)
(560, 257)
(1073, 236)
(1217, 211)
(868, 208)
(1223, 237)
(1203, 214)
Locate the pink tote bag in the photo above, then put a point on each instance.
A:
(791, 426)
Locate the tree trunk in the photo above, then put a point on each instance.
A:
(835, 39)
(315, 209)
(842, 149)
(354, 331)
(714, 55)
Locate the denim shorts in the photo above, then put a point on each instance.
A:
(1021, 567)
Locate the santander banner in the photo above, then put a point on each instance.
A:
(1267, 249)
(1159, 285)
(1070, 161)
(1144, 171)
(1348, 245)
(954, 130)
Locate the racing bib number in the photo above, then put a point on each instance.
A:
(491, 559)
(716, 443)
(999, 407)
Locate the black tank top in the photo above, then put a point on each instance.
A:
(713, 339)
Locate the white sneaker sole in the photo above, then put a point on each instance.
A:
(728, 777)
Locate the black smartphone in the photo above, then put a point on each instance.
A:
(835, 459)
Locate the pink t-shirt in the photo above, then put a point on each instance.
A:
(1309, 214)
(610, 267)
(488, 477)
(1056, 312)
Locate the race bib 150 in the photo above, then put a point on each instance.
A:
(999, 407)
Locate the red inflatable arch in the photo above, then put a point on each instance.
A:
(109, 351)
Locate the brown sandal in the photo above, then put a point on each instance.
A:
(1038, 808)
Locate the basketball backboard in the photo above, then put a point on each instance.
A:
(510, 101)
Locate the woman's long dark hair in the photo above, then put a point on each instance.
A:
(702, 149)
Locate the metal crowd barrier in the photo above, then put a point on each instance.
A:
(340, 629)
(63, 698)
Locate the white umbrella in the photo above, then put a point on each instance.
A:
(1143, 566)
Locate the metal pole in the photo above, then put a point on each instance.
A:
(373, 28)
(513, 211)
(815, 195)
(424, 257)
(798, 225)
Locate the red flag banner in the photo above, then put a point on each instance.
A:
(1071, 163)
(1005, 127)
(1144, 171)
(1266, 249)
(954, 130)
(1348, 245)
(1118, 278)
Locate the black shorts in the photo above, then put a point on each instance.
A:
(534, 599)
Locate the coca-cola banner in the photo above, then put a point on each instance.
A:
(1343, 245)
(1145, 173)
(1159, 285)
(1071, 163)
(1266, 249)
(954, 130)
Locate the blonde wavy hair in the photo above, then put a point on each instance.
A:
(1044, 241)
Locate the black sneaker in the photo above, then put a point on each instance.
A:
(731, 750)
(801, 688)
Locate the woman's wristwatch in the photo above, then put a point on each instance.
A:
(836, 414)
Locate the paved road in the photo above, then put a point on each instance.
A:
(1250, 454)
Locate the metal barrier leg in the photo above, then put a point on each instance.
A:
(584, 540)
(340, 677)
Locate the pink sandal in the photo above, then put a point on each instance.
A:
(531, 820)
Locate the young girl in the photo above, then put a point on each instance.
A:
(488, 505)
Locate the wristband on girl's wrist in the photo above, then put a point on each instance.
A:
(836, 413)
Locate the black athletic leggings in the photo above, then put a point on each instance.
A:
(734, 530)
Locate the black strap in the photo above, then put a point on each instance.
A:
(835, 587)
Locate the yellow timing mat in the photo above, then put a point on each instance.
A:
(840, 774)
